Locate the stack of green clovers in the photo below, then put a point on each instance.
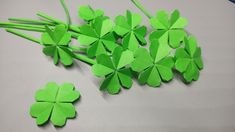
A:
(114, 49)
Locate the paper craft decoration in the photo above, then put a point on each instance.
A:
(169, 30)
(54, 103)
(130, 30)
(115, 69)
(98, 36)
(88, 14)
(189, 60)
(115, 49)
(155, 65)
(56, 44)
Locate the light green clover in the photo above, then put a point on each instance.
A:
(114, 69)
(170, 31)
(88, 14)
(189, 60)
(153, 66)
(54, 103)
(56, 44)
(129, 28)
(98, 36)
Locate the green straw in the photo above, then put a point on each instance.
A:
(30, 21)
(52, 19)
(138, 5)
(18, 33)
(26, 28)
(84, 59)
(66, 12)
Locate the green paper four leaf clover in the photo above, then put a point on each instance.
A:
(114, 69)
(170, 31)
(153, 66)
(189, 60)
(129, 28)
(98, 36)
(88, 14)
(56, 44)
(54, 103)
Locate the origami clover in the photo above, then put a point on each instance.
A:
(88, 14)
(170, 31)
(128, 27)
(55, 103)
(115, 71)
(189, 60)
(153, 66)
(56, 44)
(98, 36)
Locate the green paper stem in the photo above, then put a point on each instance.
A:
(74, 28)
(74, 35)
(18, 33)
(30, 21)
(79, 49)
(84, 59)
(52, 19)
(138, 5)
(26, 28)
(2, 24)
(66, 12)
(37, 28)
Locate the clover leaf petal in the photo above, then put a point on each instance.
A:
(169, 30)
(188, 60)
(104, 66)
(153, 66)
(88, 14)
(55, 103)
(114, 70)
(98, 36)
(56, 44)
(129, 28)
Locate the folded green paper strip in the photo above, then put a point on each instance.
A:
(54, 103)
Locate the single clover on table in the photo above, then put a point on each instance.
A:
(88, 14)
(54, 103)
(114, 70)
(189, 60)
(170, 31)
(98, 36)
(56, 44)
(153, 66)
(129, 28)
